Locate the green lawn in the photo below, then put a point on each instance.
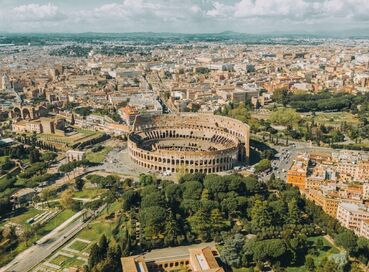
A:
(73, 262)
(3, 159)
(335, 118)
(96, 229)
(59, 260)
(98, 157)
(79, 245)
(66, 262)
(89, 193)
(56, 221)
(22, 218)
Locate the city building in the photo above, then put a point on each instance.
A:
(298, 172)
(350, 215)
(196, 259)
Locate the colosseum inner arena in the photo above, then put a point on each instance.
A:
(189, 142)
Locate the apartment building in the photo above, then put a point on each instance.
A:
(350, 215)
(329, 203)
(298, 173)
(364, 229)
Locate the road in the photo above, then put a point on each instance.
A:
(287, 155)
(37, 253)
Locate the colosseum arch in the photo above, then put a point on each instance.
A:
(26, 114)
(203, 143)
(17, 113)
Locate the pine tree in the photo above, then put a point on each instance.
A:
(126, 243)
(199, 224)
(217, 221)
(103, 246)
(94, 257)
(293, 212)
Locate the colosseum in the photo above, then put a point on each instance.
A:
(189, 142)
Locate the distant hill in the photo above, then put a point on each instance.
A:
(166, 37)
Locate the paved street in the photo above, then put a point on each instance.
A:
(287, 155)
(48, 244)
(45, 246)
(118, 161)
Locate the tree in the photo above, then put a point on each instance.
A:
(79, 184)
(48, 157)
(113, 258)
(34, 156)
(263, 165)
(285, 117)
(94, 256)
(152, 219)
(173, 193)
(320, 244)
(26, 234)
(217, 222)
(192, 190)
(45, 195)
(199, 223)
(66, 199)
(327, 266)
(281, 96)
(126, 243)
(154, 199)
(240, 113)
(260, 215)
(293, 212)
(129, 199)
(172, 231)
(265, 250)
(103, 247)
(347, 239)
(146, 180)
(309, 264)
(230, 252)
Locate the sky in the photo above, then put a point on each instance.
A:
(184, 16)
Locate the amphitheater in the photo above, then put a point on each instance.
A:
(189, 142)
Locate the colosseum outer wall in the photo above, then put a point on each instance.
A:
(189, 142)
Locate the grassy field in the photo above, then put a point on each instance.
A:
(56, 221)
(79, 245)
(96, 229)
(22, 218)
(100, 225)
(89, 193)
(98, 157)
(335, 118)
(59, 260)
(3, 159)
(66, 262)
